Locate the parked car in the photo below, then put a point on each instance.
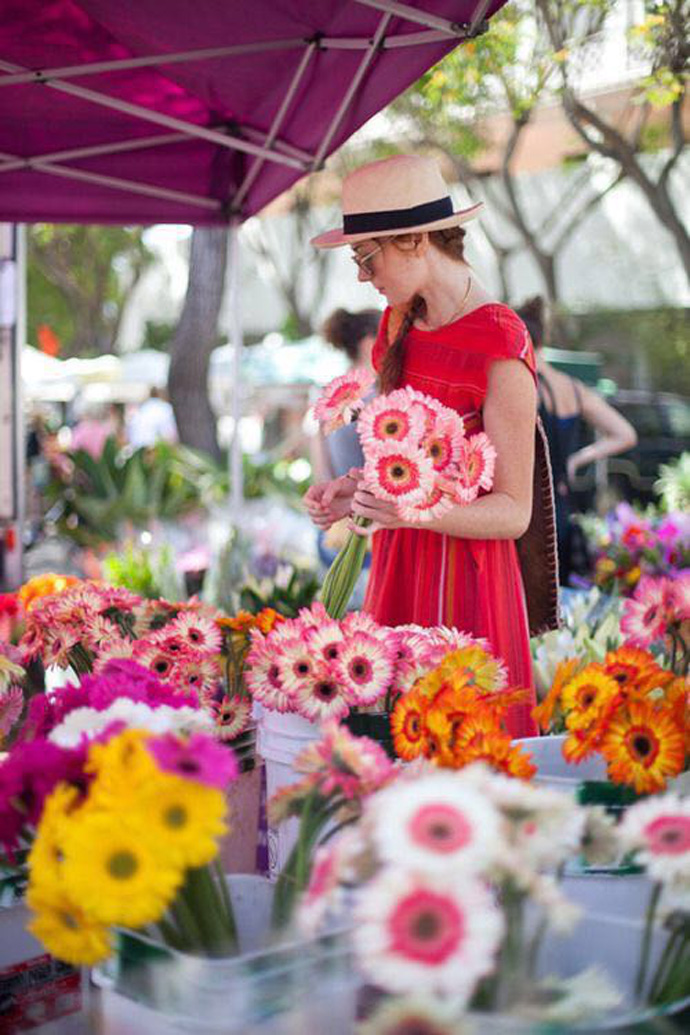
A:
(662, 422)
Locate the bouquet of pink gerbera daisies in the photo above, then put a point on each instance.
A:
(417, 455)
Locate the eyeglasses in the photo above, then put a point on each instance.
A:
(363, 262)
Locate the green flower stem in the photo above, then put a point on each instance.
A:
(647, 938)
(202, 897)
(342, 576)
(170, 934)
(184, 920)
(222, 885)
(662, 969)
(510, 965)
(675, 977)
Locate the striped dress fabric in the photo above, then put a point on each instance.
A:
(424, 577)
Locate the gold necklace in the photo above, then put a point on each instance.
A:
(457, 312)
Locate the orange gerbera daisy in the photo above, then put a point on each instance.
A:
(407, 725)
(580, 744)
(635, 669)
(588, 696)
(267, 619)
(483, 741)
(439, 737)
(543, 713)
(644, 747)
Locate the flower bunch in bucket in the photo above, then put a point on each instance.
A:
(629, 709)
(454, 715)
(449, 879)
(53, 739)
(417, 455)
(12, 675)
(631, 545)
(321, 668)
(131, 843)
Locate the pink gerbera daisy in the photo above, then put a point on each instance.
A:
(476, 467)
(197, 631)
(435, 505)
(435, 935)
(295, 662)
(11, 705)
(340, 400)
(231, 715)
(444, 443)
(390, 418)
(360, 621)
(365, 667)
(649, 612)
(262, 674)
(398, 473)
(196, 672)
(681, 596)
(321, 695)
(326, 641)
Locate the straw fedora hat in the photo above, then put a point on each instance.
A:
(399, 195)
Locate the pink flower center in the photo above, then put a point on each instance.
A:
(426, 927)
(273, 676)
(440, 828)
(669, 835)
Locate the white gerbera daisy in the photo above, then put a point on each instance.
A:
(438, 935)
(659, 828)
(87, 722)
(262, 674)
(321, 695)
(325, 640)
(197, 631)
(295, 663)
(437, 824)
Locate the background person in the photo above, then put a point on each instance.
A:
(444, 335)
(565, 406)
(152, 422)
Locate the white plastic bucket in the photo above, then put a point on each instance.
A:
(280, 738)
(554, 770)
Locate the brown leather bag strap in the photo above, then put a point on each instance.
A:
(537, 548)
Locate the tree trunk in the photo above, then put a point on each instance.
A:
(195, 337)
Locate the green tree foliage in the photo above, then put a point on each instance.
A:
(80, 279)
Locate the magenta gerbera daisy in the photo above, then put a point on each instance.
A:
(340, 399)
(398, 473)
(195, 757)
(475, 468)
(321, 695)
(11, 705)
(365, 667)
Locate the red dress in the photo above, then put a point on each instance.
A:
(429, 578)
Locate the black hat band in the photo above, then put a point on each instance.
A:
(398, 218)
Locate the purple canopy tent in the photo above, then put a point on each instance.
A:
(197, 111)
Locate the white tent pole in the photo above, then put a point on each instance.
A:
(352, 90)
(42, 75)
(12, 450)
(275, 126)
(158, 118)
(141, 143)
(235, 454)
(127, 185)
(413, 14)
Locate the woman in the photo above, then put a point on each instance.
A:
(443, 334)
(565, 404)
(355, 335)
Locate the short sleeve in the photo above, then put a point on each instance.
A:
(381, 343)
(510, 339)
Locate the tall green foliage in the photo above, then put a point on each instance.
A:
(79, 281)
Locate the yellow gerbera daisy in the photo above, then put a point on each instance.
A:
(65, 929)
(122, 767)
(185, 820)
(407, 725)
(473, 666)
(46, 852)
(586, 697)
(116, 872)
(644, 747)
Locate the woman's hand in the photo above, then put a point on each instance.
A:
(379, 512)
(328, 502)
